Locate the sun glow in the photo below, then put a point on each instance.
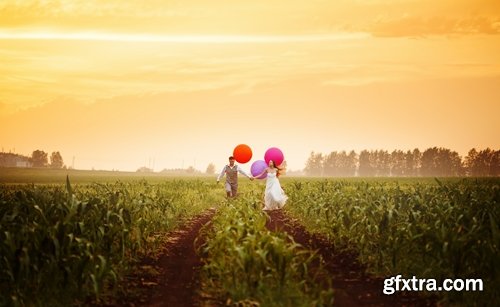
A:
(184, 81)
(195, 39)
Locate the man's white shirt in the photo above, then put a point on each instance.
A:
(237, 168)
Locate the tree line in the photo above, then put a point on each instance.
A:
(412, 163)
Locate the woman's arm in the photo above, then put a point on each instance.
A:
(264, 171)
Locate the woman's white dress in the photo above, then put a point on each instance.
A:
(274, 197)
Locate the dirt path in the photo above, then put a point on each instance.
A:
(172, 278)
(180, 265)
(351, 285)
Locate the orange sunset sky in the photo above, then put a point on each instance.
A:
(117, 84)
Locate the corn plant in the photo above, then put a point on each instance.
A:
(430, 230)
(59, 244)
(245, 262)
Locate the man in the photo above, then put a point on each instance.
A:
(231, 172)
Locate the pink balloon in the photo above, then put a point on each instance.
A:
(274, 154)
(258, 167)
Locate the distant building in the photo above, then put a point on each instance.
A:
(23, 164)
(8, 159)
(144, 170)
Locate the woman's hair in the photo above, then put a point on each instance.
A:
(279, 169)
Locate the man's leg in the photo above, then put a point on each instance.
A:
(234, 189)
(228, 189)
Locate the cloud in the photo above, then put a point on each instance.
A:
(92, 70)
(419, 26)
(386, 18)
(91, 15)
(182, 39)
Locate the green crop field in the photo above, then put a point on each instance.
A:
(59, 243)
(445, 229)
(13, 175)
(62, 241)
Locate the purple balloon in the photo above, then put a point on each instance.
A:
(274, 154)
(258, 167)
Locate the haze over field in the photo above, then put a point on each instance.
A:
(117, 85)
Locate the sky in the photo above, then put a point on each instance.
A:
(171, 84)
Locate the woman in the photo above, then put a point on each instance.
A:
(274, 197)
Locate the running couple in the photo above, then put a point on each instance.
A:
(274, 196)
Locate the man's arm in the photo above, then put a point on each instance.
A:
(243, 172)
(221, 173)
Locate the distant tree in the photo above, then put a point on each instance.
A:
(39, 158)
(412, 161)
(190, 170)
(495, 163)
(470, 163)
(456, 165)
(210, 169)
(340, 164)
(483, 163)
(314, 165)
(351, 163)
(441, 162)
(346, 163)
(417, 161)
(432, 162)
(144, 169)
(429, 162)
(398, 163)
(382, 162)
(449, 163)
(366, 166)
(56, 160)
(330, 164)
(488, 156)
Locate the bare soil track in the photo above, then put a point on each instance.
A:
(180, 266)
(172, 279)
(352, 286)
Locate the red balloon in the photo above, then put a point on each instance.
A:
(242, 153)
